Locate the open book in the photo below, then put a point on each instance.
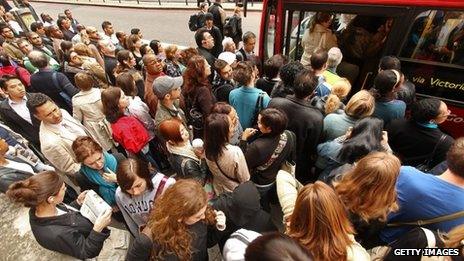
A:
(93, 206)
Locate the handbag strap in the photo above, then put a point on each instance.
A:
(449, 217)
(223, 173)
(278, 150)
(430, 157)
(161, 185)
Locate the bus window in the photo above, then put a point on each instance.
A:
(269, 36)
(296, 25)
(437, 36)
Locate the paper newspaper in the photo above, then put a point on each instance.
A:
(93, 206)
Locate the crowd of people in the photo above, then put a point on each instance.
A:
(206, 146)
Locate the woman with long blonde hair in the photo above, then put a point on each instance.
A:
(320, 223)
(369, 194)
(177, 227)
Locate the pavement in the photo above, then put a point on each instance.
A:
(152, 4)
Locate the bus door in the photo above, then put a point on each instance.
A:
(364, 33)
(432, 58)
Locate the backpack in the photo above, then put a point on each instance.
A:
(231, 26)
(194, 22)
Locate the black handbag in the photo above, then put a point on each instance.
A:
(258, 107)
(426, 166)
(195, 118)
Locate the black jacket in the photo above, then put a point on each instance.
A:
(110, 64)
(42, 81)
(186, 167)
(243, 209)
(20, 125)
(217, 21)
(414, 144)
(259, 152)
(71, 233)
(306, 122)
(208, 55)
(217, 35)
(266, 84)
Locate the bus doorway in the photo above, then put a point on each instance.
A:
(363, 37)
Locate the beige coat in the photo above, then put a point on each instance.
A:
(233, 163)
(319, 38)
(88, 109)
(57, 147)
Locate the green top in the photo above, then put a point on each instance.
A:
(54, 65)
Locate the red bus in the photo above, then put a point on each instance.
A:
(419, 32)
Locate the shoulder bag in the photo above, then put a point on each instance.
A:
(426, 165)
(258, 107)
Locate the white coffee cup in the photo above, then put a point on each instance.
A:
(197, 144)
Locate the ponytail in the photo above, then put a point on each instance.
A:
(36, 189)
(332, 104)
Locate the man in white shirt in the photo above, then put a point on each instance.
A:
(108, 33)
(14, 111)
(58, 130)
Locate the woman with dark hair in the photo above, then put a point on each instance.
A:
(225, 161)
(318, 36)
(369, 194)
(271, 147)
(171, 65)
(180, 227)
(225, 108)
(138, 189)
(419, 140)
(187, 161)
(247, 99)
(50, 219)
(320, 224)
(97, 166)
(127, 63)
(146, 49)
(127, 130)
(274, 247)
(338, 155)
(136, 107)
(133, 43)
(387, 107)
(158, 49)
(197, 89)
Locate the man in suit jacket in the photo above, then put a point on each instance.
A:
(14, 111)
(58, 130)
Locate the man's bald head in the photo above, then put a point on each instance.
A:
(38, 59)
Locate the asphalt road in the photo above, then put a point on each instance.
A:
(169, 26)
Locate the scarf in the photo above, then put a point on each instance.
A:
(186, 151)
(106, 189)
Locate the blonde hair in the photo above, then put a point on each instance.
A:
(320, 223)
(455, 238)
(369, 190)
(340, 90)
(361, 105)
(83, 49)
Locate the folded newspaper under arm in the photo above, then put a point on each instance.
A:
(93, 206)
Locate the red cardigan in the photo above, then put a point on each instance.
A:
(130, 133)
